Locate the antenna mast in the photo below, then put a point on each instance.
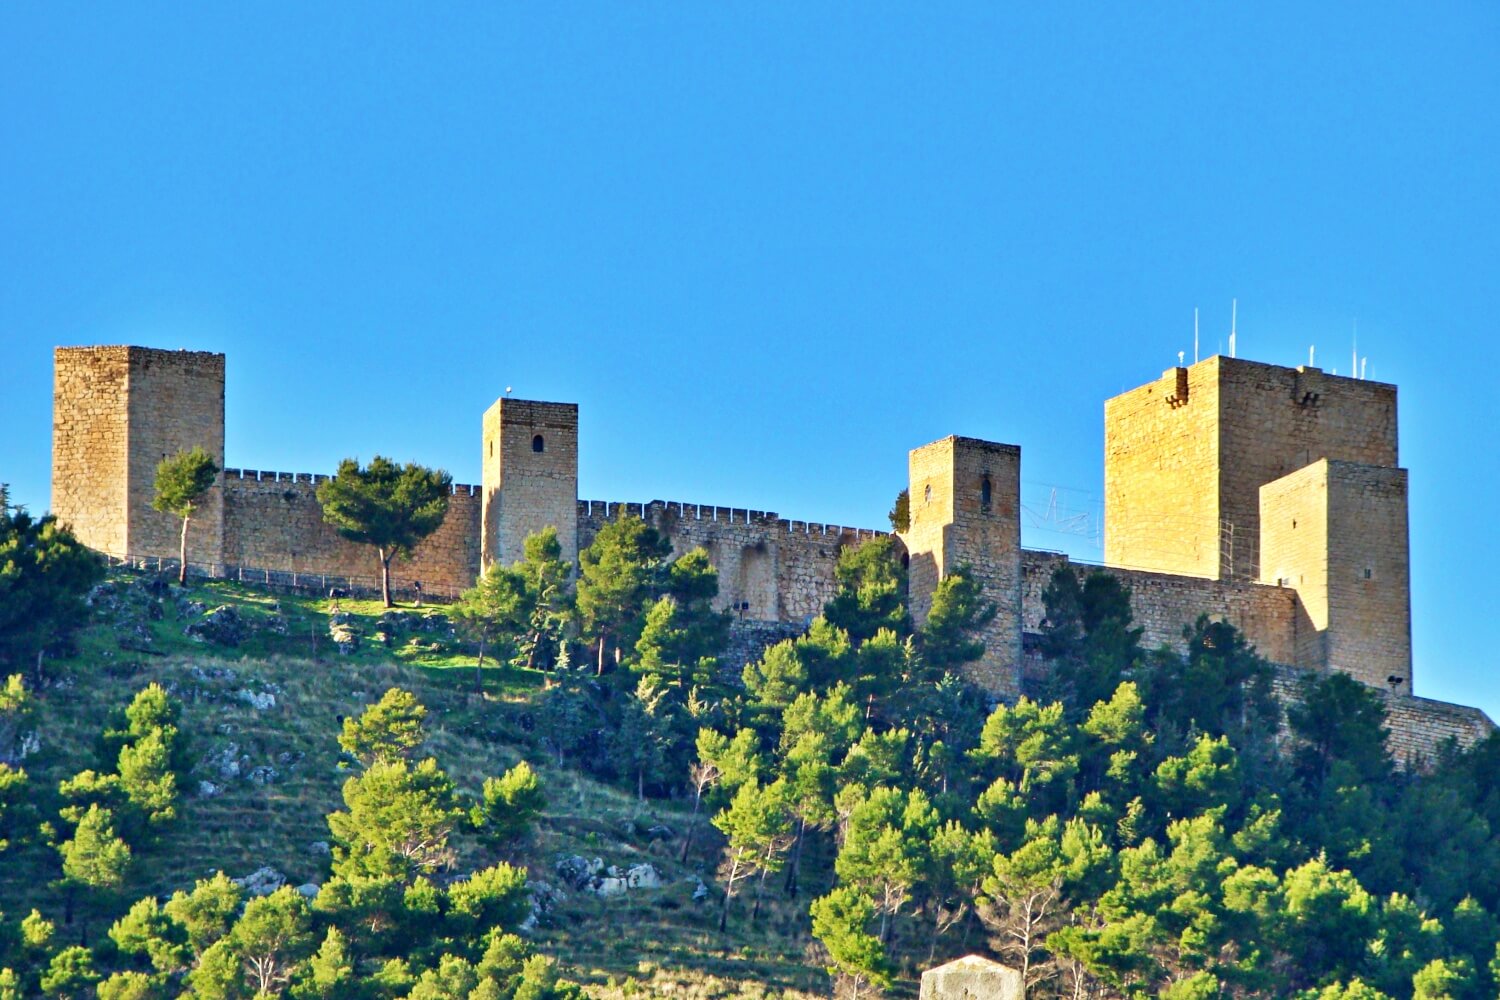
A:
(1234, 312)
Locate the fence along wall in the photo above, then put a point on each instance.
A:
(272, 521)
(770, 568)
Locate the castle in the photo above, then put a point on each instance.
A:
(1269, 497)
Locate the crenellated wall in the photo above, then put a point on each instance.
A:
(770, 568)
(1216, 476)
(272, 521)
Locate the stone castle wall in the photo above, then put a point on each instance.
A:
(530, 476)
(1164, 605)
(1275, 420)
(770, 569)
(1186, 456)
(272, 521)
(1161, 456)
(90, 426)
(176, 401)
(117, 412)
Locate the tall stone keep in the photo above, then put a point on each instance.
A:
(530, 477)
(116, 413)
(1185, 457)
(965, 503)
(1336, 533)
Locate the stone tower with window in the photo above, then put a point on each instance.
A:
(965, 511)
(530, 477)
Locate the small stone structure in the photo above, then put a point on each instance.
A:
(1268, 497)
(972, 978)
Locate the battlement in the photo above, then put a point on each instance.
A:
(314, 478)
(608, 510)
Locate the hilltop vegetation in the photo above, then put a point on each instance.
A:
(845, 812)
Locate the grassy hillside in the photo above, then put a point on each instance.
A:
(262, 719)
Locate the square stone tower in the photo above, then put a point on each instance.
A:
(530, 477)
(965, 502)
(116, 413)
(1185, 457)
(1336, 533)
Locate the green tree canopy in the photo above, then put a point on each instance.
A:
(44, 574)
(387, 506)
(616, 581)
(182, 480)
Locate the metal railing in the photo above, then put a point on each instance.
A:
(285, 581)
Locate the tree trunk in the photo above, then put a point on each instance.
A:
(687, 841)
(734, 868)
(600, 671)
(182, 557)
(791, 869)
(760, 886)
(479, 668)
(385, 577)
(640, 784)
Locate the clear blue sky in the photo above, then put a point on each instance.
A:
(767, 248)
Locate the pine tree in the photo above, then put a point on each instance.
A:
(182, 480)
(389, 507)
(617, 574)
(387, 731)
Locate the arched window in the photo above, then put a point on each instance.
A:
(538, 445)
(927, 494)
(984, 493)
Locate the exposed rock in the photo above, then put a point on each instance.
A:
(135, 637)
(341, 630)
(261, 882)
(701, 892)
(319, 847)
(643, 877)
(660, 832)
(542, 897)
(222, 626)
(607, 887)
(226, 762)
(308, 890)
(207, 789)
(265, 774)
(577, 872)
(258, 700)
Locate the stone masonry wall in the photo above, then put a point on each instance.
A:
(1418, 726)
(1294, 553)
(530, 476)
(89, 447)
(272, 521)
(930, 502)
(965, 511)
(1369, 574)
(1163, 605)
(176, 403)
(1275, 420)
(1161, 456)
(1186, 455)
(770, 569)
